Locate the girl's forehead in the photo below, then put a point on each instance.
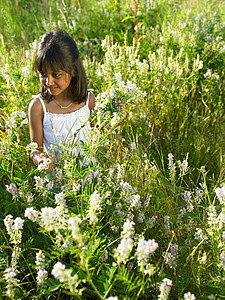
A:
(47, 68)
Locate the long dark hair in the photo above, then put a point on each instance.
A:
(59, 51)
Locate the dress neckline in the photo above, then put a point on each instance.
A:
(69, 113)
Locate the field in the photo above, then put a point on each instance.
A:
(142, 214)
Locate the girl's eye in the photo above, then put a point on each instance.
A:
(43, 74)
(56, 75)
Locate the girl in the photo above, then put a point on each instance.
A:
(62, 110)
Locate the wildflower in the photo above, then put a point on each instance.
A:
(123, 250)
(223, 235)
(189, 296)
(45, 164)
(167, 224)
(58, 271)
(171, 257)
(14, 228)
(128, 229)
(151, 221)
(27, 54)
(9, 275)
(188, 200)
(222, 259)
(15, 257)
(33, 145)
(112, 298)
(73, 225)
(31, 214)
(220, 193)
(40, 264)
(49, 185)
(184, 167)
(18, 223)
(105, 255)
(41, 276)
(26, 70)
(12, 189)
(135, 201)
(165, 288)
(39, 182)
(60, 199)
(94, 206)
(171, 167)
(144, 250)
(133, 146)
(47, 217)
(212, 216)
(199, 235)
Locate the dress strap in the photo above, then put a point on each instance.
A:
(42, 103)
(87, 101)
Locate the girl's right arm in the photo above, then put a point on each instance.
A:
(36, 114)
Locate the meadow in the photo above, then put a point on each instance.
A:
(142, 214)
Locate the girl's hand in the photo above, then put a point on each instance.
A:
(43, 163)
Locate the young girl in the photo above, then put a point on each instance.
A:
(62, 110)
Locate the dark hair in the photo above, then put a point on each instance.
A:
(58, 51)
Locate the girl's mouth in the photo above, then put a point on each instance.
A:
(52, 88)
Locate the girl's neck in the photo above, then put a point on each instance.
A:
(63, 99)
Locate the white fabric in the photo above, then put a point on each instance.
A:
(69, 128)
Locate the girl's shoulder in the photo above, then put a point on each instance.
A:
(36, 106)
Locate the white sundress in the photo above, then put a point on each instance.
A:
(68, 129)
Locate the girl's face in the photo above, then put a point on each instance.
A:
(56, 83)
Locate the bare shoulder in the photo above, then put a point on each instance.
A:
(35, 107)
(91, 103)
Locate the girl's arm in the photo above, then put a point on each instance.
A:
(36, 114)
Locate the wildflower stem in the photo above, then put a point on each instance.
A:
(92, 284)
(167, 250)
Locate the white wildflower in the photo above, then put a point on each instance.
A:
(94, 207)
(165, 288)
(31, 214)
(60, 199)
(144, 250)
(122, 252)
(189, 296)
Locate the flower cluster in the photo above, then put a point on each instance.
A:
(171, 256)
(14, 228)
(45, 164)
(12, 189)
(188, 200)
(144, 250)
(94, 207)
(65, 276)
(189, 296)
(165, 288)
(123, 250)
(171, 167)
(40, 267)
(9, 275)
(220, 193)
(73, 225)
(14, 118)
